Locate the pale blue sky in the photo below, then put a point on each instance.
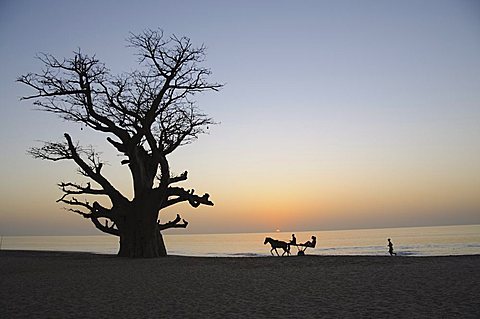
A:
(345, 113)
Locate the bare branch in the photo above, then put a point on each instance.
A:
(180, 195)
(94, 173)
(52, 151)
(96, 211)
(179, 178)
(75, 189)
(173, 223)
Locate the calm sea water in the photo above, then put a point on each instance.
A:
(416, 241)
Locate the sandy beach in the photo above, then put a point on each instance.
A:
(83, 285)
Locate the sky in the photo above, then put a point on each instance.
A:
(334, 114)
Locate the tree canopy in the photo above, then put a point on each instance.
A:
(146, 114)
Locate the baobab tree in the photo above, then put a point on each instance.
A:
(146, 115)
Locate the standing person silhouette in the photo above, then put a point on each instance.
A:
(390, 248)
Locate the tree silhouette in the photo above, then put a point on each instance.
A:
(146, 114)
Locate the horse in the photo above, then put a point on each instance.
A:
(277, 244)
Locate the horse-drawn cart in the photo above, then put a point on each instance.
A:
(286, 246)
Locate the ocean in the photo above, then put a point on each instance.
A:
(408, 241)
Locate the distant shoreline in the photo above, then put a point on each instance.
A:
(66, 253)
(46, 284)
(433, 241)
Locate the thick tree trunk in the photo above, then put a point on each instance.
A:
(137, 244)
(141, 238)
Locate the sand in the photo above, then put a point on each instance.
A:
(82, 285)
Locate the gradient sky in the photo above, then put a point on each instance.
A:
(335, 114)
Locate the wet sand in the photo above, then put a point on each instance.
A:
(83, 285)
